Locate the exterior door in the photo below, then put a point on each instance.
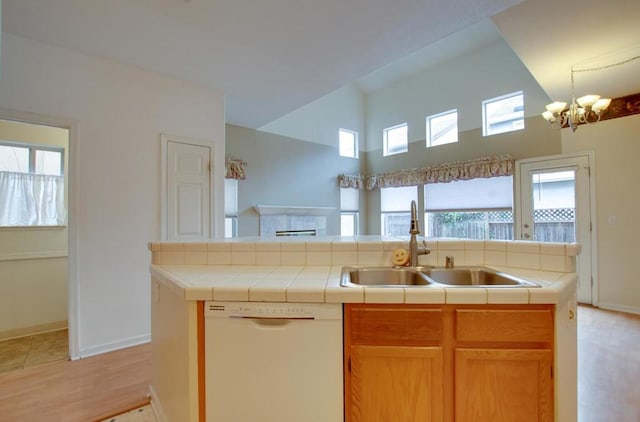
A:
(188, 191)
(555, 206)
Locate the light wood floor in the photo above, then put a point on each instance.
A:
(92, 389)
(84, 390)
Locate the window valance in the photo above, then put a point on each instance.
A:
(483, 167)
(235, 169)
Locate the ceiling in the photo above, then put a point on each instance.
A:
(270, 57)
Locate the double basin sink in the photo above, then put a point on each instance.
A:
(474, 276)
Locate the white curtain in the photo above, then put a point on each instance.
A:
(31, 200)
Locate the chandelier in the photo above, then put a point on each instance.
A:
(586, 109)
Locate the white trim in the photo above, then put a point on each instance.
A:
(32, 255)
(620, 308)
(116, 345)
(164, 141)
(73, 306)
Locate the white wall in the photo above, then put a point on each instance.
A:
(460, 83)
(320, 120)
(119, 114)
(617, 150)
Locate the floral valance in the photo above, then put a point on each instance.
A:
(235, 169)
(484, 167)
(351, 181)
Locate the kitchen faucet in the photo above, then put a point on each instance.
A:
(414, 249)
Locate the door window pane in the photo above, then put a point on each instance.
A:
(554, 206)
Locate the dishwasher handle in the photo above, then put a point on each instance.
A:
(274, 322)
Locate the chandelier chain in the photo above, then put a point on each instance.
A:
(591, 69)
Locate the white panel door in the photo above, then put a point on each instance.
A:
(188, 191)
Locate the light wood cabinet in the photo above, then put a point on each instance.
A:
(393, 363)
(463, 363)
(503, 364)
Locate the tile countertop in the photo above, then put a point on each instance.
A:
(320, 284)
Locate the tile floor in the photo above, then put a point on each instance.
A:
(141, 414)
(25, 352)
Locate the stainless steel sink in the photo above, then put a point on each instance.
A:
(383, 277)
(473, 277)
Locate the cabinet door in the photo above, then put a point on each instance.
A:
(395, 384)
(503, 385)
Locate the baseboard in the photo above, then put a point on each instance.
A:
(619, 308)
(34, 329)
(156, 406)
(116, 345)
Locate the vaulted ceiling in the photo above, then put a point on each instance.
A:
(270, 57)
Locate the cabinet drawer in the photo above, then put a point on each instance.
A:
(504, 325)
(407, 326)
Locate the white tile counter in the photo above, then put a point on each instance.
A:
(258, 270)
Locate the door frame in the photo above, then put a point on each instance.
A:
(164, 160)
(71, 173)
(590, 156)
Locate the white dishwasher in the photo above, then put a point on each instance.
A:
(273, 362)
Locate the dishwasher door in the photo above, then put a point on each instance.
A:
(273, 362)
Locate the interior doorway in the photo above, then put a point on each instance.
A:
(555, 204)
(36, 323)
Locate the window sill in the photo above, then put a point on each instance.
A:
(29, 228)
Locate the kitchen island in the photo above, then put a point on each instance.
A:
(186, 275)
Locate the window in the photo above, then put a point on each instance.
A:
(470, 209)
(348, 143)
(230, 207)
(349, 211)
(32, 159)
(31, 185)
(503, 114)
(442, 128)
(396, 139)
(395, 207)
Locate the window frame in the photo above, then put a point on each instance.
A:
(231, 217)
(428, 124)
(355, 216)
(33, 149)
(386, 212)
(485, 124)
(385, 140)
(353, 147)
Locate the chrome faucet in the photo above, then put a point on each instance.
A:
(449, 262)
(414, 249)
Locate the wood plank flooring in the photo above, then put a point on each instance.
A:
(83, 390)
(94, 388)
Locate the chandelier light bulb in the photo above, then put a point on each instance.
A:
(588, 100)
(601, 104)
(556, 107)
